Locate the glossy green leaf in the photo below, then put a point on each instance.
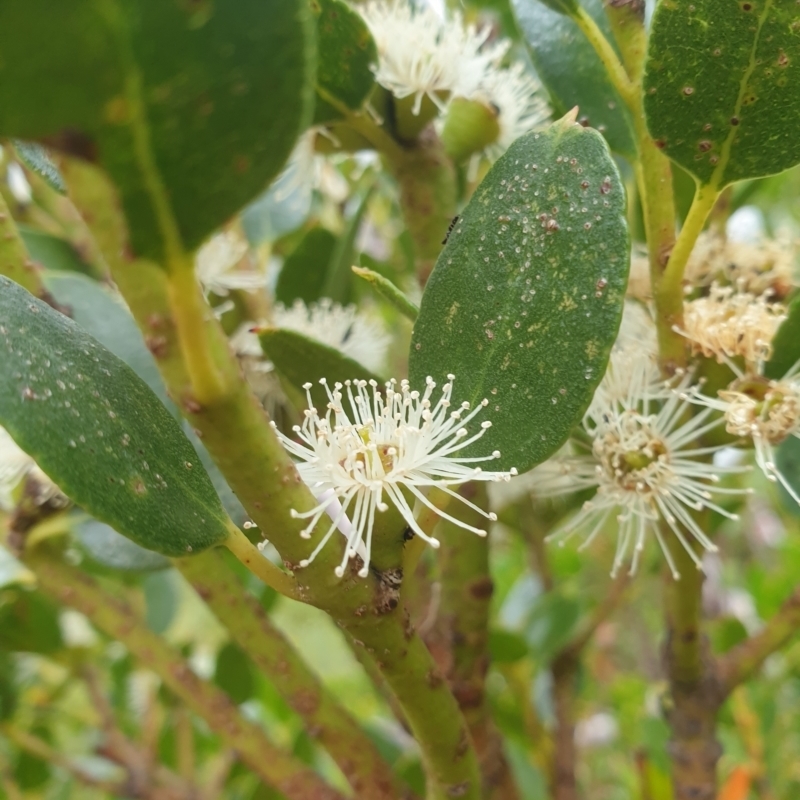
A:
(302, 276)
(110, 549)
(785, 344)
(571, 70)
(99, 432)
(35, 158)
(346, 54)
(722, 87)
(29, 622)
(234, 673)
(301, 360)
(51, 252)
(192, 107)
(525, 299)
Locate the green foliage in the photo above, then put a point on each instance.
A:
(234, 673)
(99, 432)
(346, 53)
(305, 269)
(109, 549)
(786, 344)
(525, 299)
(725, 102)
(301, 360)
(191, 108)
(572, 71)
(29, 622)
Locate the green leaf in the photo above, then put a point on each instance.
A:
(103, 314)
(561, 6)
(506, 647)
(234, 673)
(787, 460)
(36, 159)
(572, 72)
(99, 432)
(110, 549)
(32, 772)
(51, 252)
(303, 273)
(551, 624)
(161, 598)
(386, 289)
(192, 107)
(29, 622)
(525, 300)
(346, 53)
(302, 360)
(722, 87)
(339, 278)
(785, 344)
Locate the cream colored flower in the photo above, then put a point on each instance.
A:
(216, 266)
(729, 323)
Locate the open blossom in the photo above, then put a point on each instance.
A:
(422, 55)
(216, 262)
(767, 412)
(642, 461)
(729, 323)
(340, 327)
(372, 447)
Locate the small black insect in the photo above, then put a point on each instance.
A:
(450, 229)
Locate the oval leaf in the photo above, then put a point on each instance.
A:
(347, 52)
(725, 102)
(303, 274)
(109, 549)
(99, 432)
(526, 297)
(301, 360)
(571, 70)
(192, 107)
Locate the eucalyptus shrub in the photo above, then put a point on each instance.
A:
(299, 302)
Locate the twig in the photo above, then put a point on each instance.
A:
(741, 662)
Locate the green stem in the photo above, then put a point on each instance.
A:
(614, 68)
(325, 720)
(249, 555)
(40, 749)
(461, 637)
(742, 662)
(114, 615)
(671, 283)
(695, 694)
(386, 289)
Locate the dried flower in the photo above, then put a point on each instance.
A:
(389, 446)
(729, 323)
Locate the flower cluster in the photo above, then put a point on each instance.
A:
(641, 457)
(376, 444)
(423, 55)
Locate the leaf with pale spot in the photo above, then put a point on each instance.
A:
(525, 299)
(99, 432)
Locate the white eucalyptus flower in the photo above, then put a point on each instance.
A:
(337, 326)
(765, 411)
(389, 446)
(215, 266)
(646, 468)
(516, 95)
(729, 323)
(420, 54)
